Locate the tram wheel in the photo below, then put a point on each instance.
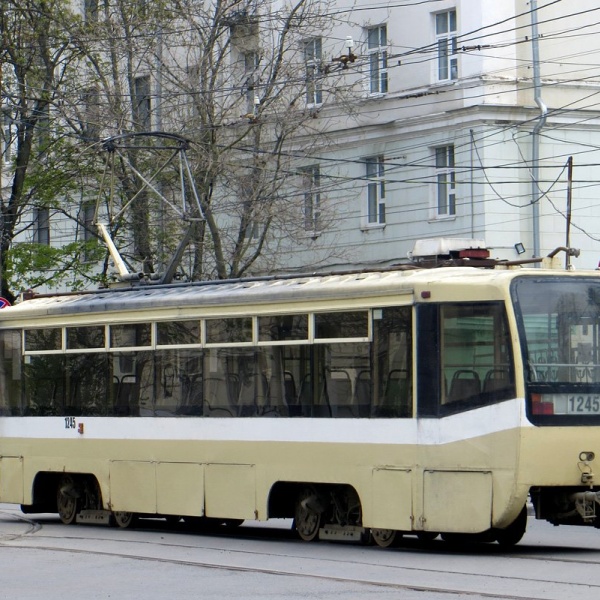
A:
(514, 532)
(124, 519)
(307, 521)
(67, 499)
(386, 538)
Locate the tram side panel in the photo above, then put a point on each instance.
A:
(12, 480)
(469, 417)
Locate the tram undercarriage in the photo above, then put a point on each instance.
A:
(330, 512)
(567, 505)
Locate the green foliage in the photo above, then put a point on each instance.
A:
(72, 266)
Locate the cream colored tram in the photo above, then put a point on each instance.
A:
(362, 405)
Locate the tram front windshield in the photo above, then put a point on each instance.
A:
(559, 320)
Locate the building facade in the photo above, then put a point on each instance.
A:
(439, 119)
(465, 128)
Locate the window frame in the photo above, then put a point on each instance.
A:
(90, 11)
(313, 55)
(311, 198)
(142, 102)
(375, 191)
(251, 59)
(41, 222)
(7, 131)
(446, 43)
(377, 53)
(445, 182)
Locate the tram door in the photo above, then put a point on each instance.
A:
(464, 364)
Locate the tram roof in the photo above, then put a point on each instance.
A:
(264, 290)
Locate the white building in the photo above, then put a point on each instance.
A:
(443, 142)
(444, 118)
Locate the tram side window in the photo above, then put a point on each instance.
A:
(81, 338)
(177, 386)
(87, 385)
(170, 333)
(221, 379)
(130, 335)
(44, 384)
(43, 339)
(244, 382)
(465, 357)
(132, 382)
(283, 328)
(343, 365)
(229, 331)
(10, 373)
(392, 369)
(341, 325)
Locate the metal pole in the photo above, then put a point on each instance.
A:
(535, 141)
(569, 195)
(472, 185)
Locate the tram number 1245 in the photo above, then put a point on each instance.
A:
(584, 404)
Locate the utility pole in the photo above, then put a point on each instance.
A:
(535, 140)
(569, 199)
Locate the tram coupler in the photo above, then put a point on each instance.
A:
(585, 504)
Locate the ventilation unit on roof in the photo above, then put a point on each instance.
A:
(445, 248)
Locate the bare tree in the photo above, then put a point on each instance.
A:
(230, 76)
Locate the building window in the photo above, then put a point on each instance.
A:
(89, 226)
(251, 80)
(446, 40)
(43, 130)
(253, 230)
(311, 184)
(90, 11)
(141, 103)
(91, 125)
(375, 171)
(445, 181)
(312, 59)
(41, 225)
(377, 59)
(6, 137)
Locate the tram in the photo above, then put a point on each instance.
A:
(362, 405)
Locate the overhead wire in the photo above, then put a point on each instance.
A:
(414, 164)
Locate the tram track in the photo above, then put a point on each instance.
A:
(32, 526)
(386, 569)
(278, 572)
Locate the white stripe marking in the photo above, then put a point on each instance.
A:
(475, 423)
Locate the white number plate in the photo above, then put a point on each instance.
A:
(573, 404)
(583, 404)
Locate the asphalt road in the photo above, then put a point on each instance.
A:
(42, 559)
